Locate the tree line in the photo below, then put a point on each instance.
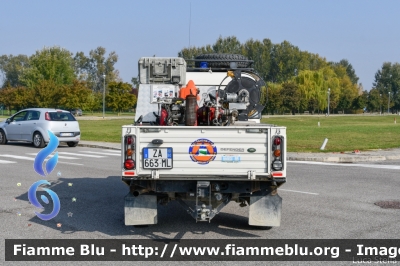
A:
(299, 81)
(54, 77)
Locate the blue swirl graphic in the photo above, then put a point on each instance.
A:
(32, 198)
(41, 156)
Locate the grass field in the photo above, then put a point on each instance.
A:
(103, 130)
(344, 133)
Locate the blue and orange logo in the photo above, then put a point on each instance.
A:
(202, 151)
(50, 165)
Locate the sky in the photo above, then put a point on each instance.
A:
(366, 32)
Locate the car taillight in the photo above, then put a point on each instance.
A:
(129, 164)
(277, 152)
(47, 116)
(129, 151)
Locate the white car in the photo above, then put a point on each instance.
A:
(32, 125)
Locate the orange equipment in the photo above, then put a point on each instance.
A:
(190, 89)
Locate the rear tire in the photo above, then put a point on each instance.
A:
(3, 138)
(38, 141)
(223, 64)
(72, 144)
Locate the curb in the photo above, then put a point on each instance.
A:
(98, 146)
(343, 159)
(346, 159)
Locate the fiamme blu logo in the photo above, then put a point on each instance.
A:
(44, 168)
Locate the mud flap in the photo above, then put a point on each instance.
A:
(140, 210)
(265, 210)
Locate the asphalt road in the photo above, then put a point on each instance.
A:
(320, 200)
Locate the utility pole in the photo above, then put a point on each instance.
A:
(329, 92)
(104, 93)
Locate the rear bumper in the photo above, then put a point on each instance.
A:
(78, 133)
(75, 138)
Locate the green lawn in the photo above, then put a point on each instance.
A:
(344, 133)
(103, 130)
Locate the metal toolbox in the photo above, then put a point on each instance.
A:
(165, 70)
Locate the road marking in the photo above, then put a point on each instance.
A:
(377, 166)
(4, 161)
(78, 154)
(59, 156)
(18, 157)
(71, 163)
(102, 153)
(29, 158)
(303, 192)
(115, 151)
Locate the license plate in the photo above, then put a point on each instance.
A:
(157, 158)
(66, 134)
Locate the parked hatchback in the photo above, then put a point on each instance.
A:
(31, 125)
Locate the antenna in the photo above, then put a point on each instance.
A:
(190, 21)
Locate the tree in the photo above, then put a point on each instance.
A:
(274, 104)
(75, 95)
(348, 93)
(290, 96)
(387, 80)
(12, 68)
(92, 68)
(230, 45)
(93, 101)
(82, 66)
(7, 96)
(260, 53)
(119, 97)
(349, 70)
(192, 52)
(22, 98)
(374, 103)
(284, 62)
(313, 88)
(135, 82)
(45, 94)
(332, 84)
(53, 64)
(360, 102)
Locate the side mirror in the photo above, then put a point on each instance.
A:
(8, 121)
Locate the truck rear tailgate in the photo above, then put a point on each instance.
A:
(196, 152)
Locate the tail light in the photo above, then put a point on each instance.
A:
(47, 116)
(277, 153)
(130, 154)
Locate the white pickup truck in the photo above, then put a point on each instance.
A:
(197, 139)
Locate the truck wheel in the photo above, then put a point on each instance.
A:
(226, 59)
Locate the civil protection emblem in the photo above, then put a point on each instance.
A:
(202, 151)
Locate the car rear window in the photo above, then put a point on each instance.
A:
(61, 116)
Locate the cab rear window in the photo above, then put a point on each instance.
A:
(61, 116)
